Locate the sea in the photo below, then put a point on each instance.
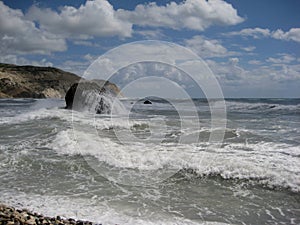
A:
(131, 167)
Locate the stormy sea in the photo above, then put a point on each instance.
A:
(84, 165)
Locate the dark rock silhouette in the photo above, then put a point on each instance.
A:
(147, 102)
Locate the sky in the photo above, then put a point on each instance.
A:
(251, 47)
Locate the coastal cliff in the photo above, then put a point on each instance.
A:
(34, 82)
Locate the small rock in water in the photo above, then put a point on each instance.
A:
(147, 102)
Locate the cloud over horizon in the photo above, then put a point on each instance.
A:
(244, 46)
(207, 48)
(291, 35)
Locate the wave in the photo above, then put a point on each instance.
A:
(271, 164)
(36, 114)
(16, 101)
(268, 106)
(90, 210)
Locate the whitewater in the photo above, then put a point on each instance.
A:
(77, 163)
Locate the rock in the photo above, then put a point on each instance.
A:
(31, 221)
(11, 216)
(34, 82)
(87, 92)
(69, 97)
(147, 102)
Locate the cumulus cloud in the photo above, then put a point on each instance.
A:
(254, 62)
(75, 66)
(283, 59)
(231, 74)
(141, 73)
(45, 30)
(98, 17)
(263, 79)
(278, 73)
(190, 14)
(150, 34)
(249, 48)
(14, 59)
(19, 35)
(207, 48)
(292, 35)
(85, 43)
(251, 32)
(94, 18)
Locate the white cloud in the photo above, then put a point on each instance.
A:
(249, 48)
(232, 75)
(90, 58)
(263, 80)
(292, 35)
(283, 59)
(254, 62)
(14, 59)
(252, 32)
(85, 43)
(228, 73)
(97, 18)
(94, 18)
(150, 34)
(278, 73)
(44, 30)
(75, 66)
(139, 70)
(234, 61)
(19, 35)
(207, 48)
(190, 14)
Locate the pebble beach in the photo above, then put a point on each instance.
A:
(11, 216)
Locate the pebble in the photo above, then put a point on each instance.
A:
(12, 216)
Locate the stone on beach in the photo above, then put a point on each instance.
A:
(12, 216)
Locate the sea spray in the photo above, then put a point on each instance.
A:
(97, 102)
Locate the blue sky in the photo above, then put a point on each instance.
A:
(252, 47)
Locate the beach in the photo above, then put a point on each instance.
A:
(10, 215)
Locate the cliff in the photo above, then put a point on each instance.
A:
(34, 82)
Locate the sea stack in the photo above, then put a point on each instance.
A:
(147, 102)
(93, 95)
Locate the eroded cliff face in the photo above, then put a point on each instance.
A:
(34, 82)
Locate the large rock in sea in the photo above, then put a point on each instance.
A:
(96, 96)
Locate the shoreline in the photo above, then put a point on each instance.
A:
(11, 216)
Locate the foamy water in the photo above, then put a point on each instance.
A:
(77, 164)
